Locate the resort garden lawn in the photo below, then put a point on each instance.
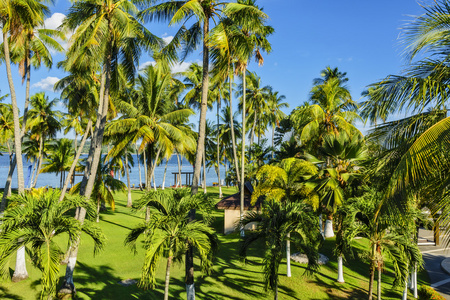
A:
(98, 277)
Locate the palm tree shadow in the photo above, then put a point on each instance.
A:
(4, 294)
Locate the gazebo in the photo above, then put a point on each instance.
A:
(232, 205)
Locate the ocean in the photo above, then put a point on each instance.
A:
(52, 180)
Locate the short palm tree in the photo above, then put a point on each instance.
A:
(37, 219)
(273, 225)
(59, 159)
(168, 231)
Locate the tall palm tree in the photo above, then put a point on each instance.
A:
(273, 226)
(106, 32)
(331, 110)
(275, 105)
(44, 123)
(168, 229)
(37, 219)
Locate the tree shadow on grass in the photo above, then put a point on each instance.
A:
(5, 294)
(113, 223)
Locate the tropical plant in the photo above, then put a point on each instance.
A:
(169, 229)
(105, 186)
(44, 123)
(274, 223)
(286, 182)
(59, 159)
(37, 219)
(330, 110)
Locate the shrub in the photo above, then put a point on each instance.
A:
(428, 293)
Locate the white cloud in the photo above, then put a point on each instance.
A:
(46, 84)
(167, 38)
(175, 69)
(54, 21)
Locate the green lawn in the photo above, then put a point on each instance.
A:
(97, 277)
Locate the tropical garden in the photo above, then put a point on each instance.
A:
(320, 186)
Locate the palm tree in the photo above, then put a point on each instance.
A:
(43, 124)
(6, 137)
(387, 237)
(166, 232)
(37, 219)
(331, 110)
(273, 225)
(104, 187)
(276, 115)
(59, 159)
(345, 158)
(285, 183)
(107, 32)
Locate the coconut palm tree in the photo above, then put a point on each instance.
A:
(167, 230)
(59, 159)
(273, 225)
(106, 32)
(275, 105)
(37, 219)
(44, 123)
(331, 109)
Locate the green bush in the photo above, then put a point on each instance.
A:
(428, 293)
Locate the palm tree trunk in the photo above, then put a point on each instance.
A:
(204, 172)
(166, 285)
(275, 297)
(328, 232)
(233, 138)
(189, 261)
(372, 271)
(415, 281)
(145, 166)
(87, 184)
(148, 179)
(139, 166)
(178, 181)
(127, 171)
(165, 171)
(98, 209)
(379, 282)
(75, 161)
(20, 271)
(288, 254)
(273, 141)
(17, 131)
(75, 142)
(41, 150)
(218, 150)
(243, 151)
(340, 269)
(7, 190)
(252, 135)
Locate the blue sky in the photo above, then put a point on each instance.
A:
(361, 38)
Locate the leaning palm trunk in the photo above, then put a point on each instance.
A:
(145, 166)
(328, 231)
(233, 139)
(20, 272)
(75, 161)
(87, 184)
(164, 177)
(189, 261)
(7, 190)
(243, 152)
(41, 150)
(178, 181)
(379, 282)
(127, 171)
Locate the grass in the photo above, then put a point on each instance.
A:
(97, 277)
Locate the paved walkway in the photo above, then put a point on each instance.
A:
(437, 264)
